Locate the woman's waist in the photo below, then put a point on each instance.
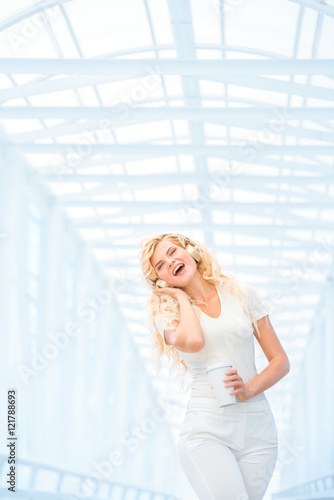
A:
(211, 402)
(201, 385)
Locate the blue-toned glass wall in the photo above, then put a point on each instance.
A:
(307, 450)
(85, 401)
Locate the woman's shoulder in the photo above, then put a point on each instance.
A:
(235, 287)
(225, 288)
(256, 306)
(235, 290)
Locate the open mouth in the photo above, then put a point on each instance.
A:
(179, 270)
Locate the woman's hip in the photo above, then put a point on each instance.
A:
(239, 426)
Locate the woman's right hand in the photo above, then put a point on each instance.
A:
(172, 292)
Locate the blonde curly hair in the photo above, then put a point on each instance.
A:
(166, 308)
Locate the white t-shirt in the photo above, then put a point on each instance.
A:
(227, 338)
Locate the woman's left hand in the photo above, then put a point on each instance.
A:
(240, 388)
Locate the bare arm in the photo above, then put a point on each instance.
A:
(277, 368)
(279, 364)
(185, 335)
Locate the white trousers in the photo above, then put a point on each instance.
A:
(228, 453)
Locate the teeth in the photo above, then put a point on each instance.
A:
(178, 267)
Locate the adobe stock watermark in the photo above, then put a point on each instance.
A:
(265, 136)
(87, 310)
(323, 249)
(130, 441)
(301, 271)
(240, 331)
(249, 150)
(120, 110)
(288, 452)
(31, 27)
(210, 189)
(260, 479)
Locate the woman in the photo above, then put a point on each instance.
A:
(229, 452)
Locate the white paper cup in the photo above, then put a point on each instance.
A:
(216, 374)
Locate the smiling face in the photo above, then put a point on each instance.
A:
(167, 257)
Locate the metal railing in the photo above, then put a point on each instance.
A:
(44, 482)
(318, 488)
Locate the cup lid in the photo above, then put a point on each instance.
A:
(219, 365)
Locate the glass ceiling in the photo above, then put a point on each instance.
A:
(210, 118)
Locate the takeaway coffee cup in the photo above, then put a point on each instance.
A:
(216, 374)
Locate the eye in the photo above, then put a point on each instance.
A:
(163, 263)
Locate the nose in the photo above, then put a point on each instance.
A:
(171, 263)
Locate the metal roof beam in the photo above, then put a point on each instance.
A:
(184, 67)
(86, 162)
(222, 115)
(316, 5)
(232, 228)
(37, 87)
(279, 212)
(219, 205)
(282, 189)
(29, 11)
(122, 151)
(275, 85)
(221, 177)
(94, 128)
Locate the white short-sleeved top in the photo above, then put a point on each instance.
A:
(227, 338)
